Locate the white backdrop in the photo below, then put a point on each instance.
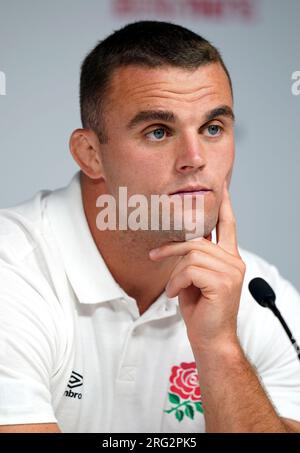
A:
(43, 43)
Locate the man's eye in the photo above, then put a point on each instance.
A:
(214, 129)
(156, 134)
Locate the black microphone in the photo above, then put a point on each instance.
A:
(265, 296)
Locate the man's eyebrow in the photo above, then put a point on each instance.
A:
(222, 110)
(151, 115)
(170, 117)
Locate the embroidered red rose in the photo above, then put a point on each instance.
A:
(184, 381)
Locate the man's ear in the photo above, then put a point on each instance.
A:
(85, 148)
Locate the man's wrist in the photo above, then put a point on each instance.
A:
(223, 349)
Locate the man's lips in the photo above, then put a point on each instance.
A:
(192, 195)
(192, 191)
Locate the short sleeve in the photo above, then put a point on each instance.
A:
(270, 350)
(283, 380)
(27, 350)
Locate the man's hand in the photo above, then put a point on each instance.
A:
(208, 281)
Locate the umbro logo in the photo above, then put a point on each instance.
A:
(76, 380)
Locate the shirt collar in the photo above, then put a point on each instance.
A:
(87, 272)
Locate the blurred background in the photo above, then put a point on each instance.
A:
(43, 43)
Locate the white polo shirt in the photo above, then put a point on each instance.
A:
(74, 349)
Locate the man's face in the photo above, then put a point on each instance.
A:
(163, 135)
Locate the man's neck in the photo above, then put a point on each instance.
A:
(126, 254)
(129, 263)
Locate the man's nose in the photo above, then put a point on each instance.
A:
(190, 155)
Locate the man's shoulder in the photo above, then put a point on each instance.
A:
(257, 266)
(31, 269)
(27, 224)
(255, 262)
(21, 226)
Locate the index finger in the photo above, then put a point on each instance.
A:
(226, 226)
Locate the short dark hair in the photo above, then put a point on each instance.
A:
(145, 43)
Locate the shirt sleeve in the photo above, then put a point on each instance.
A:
(270, 350)
(27, 350)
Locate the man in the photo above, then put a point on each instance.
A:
(123, 330)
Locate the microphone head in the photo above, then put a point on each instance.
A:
(262, 292)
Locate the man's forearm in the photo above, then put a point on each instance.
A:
(233, 398)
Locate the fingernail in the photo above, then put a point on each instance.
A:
(153, 253)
